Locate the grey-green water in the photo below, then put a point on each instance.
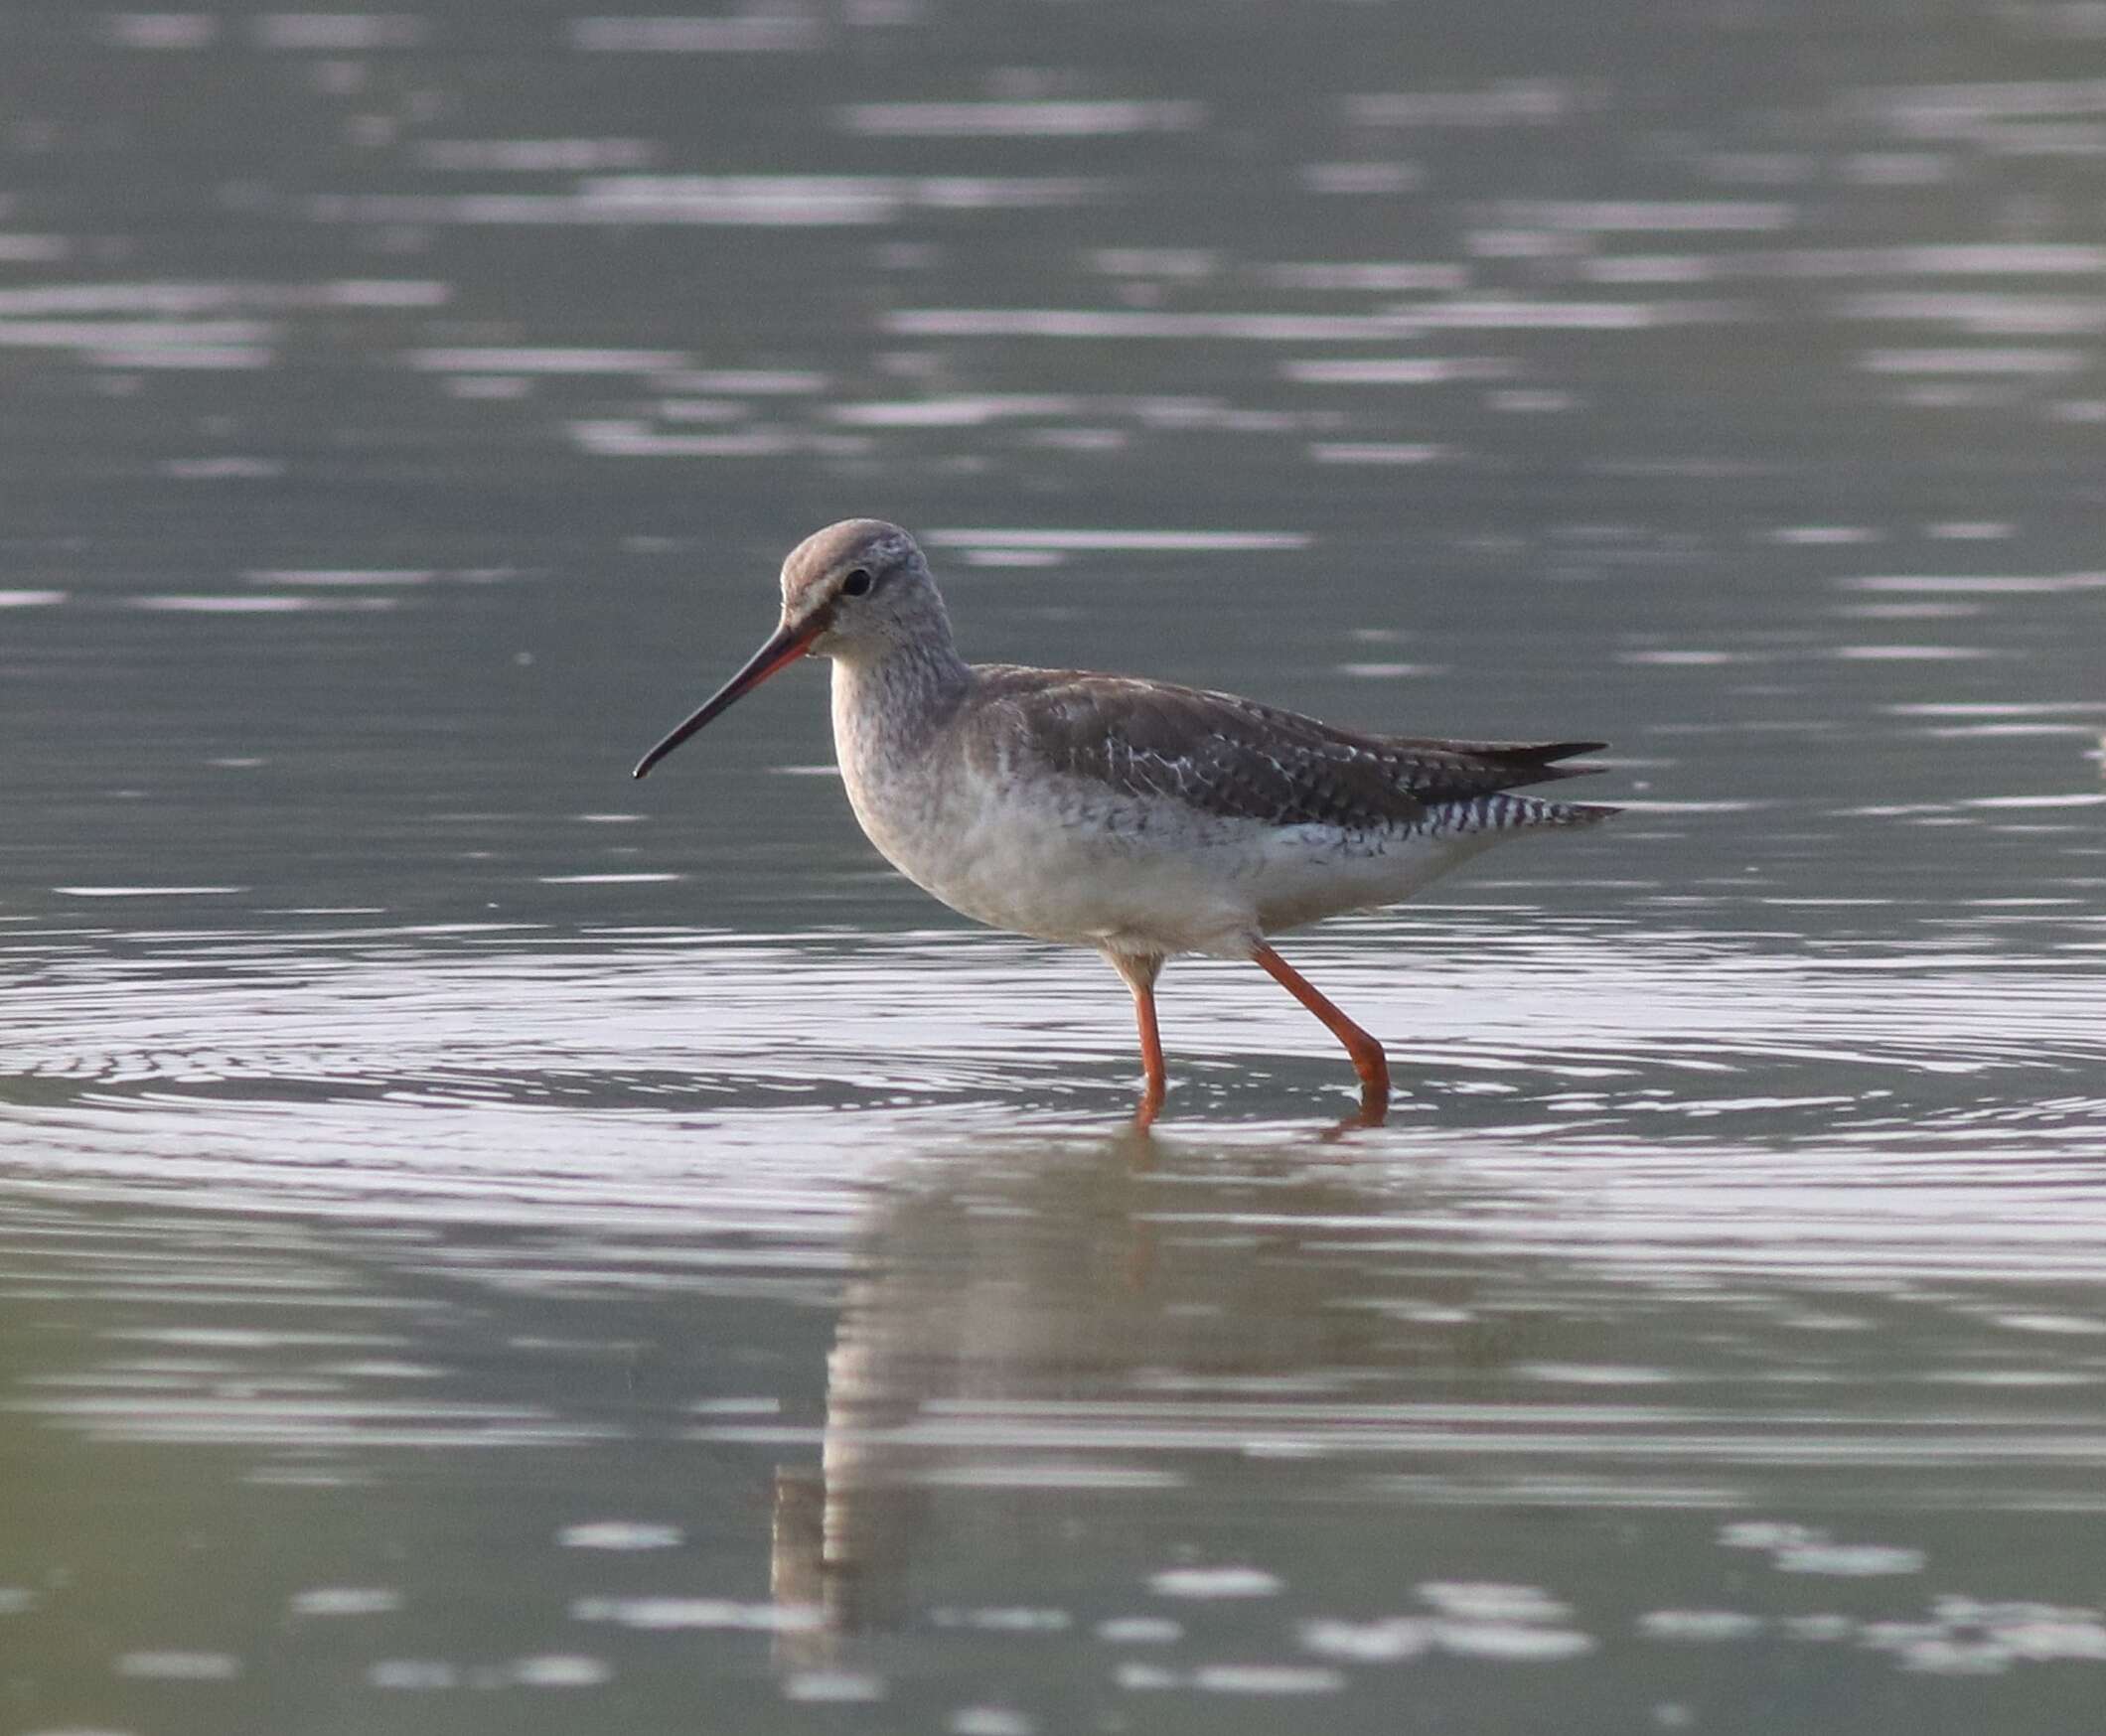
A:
(487, 1245)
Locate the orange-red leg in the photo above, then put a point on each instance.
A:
(1368, 1060)
(1141, 974)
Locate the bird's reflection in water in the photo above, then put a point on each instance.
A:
(1030, 1310)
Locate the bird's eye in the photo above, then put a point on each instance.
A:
(857, 583)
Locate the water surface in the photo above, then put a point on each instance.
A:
(489, 1245)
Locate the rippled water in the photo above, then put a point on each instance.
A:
(485, 1244)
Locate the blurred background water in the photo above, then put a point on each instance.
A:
(487, 1245)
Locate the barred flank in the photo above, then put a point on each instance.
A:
(1507, 814)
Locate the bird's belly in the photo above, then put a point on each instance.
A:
(1061, 862)
(1315, 871)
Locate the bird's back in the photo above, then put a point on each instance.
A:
(1235, 759)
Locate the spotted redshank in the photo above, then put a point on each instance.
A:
(1140, 818)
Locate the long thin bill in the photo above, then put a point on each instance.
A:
(781, 650)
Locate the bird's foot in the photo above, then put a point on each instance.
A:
(1374, 1094)
(1374, 1111)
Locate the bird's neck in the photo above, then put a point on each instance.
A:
(889, 704)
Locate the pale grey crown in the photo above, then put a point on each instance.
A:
(898, 606)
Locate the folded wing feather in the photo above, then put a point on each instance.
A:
(1237, 759)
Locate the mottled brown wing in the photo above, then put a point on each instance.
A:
(1240, 760)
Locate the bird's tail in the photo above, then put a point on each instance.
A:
(1502, 812)
(1575, 813)
(1534, 761)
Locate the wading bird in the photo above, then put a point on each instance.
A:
(1140, 818)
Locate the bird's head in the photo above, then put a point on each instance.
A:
(858, 590)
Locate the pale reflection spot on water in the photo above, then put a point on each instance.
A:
(840, 1686)
(990, 1721)
(1213, 1582)
(620, 1535)
(179, 1665)
(1140, 1630)
(346, 1601)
